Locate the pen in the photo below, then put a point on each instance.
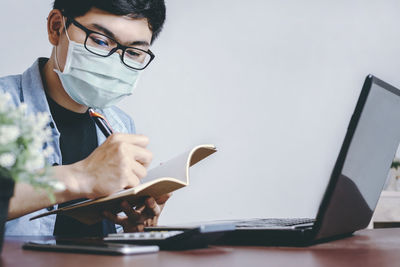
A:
(101, 122)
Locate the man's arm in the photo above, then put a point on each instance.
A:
(119, 163)
(27, 199)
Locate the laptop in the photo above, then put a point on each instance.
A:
(356, 182)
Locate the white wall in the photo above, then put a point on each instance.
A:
(272, 83)
(23, 34)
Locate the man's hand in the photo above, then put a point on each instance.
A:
(142, 216)
(119, 163)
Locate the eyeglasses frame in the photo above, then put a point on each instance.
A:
(119, 46)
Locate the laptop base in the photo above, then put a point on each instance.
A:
(284, 238)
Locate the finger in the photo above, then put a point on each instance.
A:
(134, 139)
(152, 207)
(134, 228)
(162, 199)
(129, 228)
(112, 217)
(155, 220)
(132, 181)
(137, 153)
(140, 228)
(140, 140)
(133, 216)
(139, 170)
(148, 222)
(140, 209)
(142, 155)
(139, 204)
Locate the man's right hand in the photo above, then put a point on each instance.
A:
(119, 163)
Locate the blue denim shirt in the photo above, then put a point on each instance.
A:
(28, 88)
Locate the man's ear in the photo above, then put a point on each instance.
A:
(54, 26)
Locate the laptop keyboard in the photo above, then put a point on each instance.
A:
(268, 223)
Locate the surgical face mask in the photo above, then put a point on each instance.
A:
(95, 81)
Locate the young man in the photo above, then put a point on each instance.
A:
(100, 48)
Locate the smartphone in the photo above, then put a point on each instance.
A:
(95, 248)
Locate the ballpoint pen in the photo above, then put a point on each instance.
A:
(101, 122)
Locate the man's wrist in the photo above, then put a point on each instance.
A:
(75, 188)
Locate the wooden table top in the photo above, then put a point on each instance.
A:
(378, 248)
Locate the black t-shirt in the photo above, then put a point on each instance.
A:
(78, 139)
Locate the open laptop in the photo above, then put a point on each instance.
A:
(356, 182)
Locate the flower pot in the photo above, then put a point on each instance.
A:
(6, 192)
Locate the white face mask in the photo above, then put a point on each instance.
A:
(95, 81)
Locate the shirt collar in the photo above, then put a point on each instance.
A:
(115, 122)
(33, 90)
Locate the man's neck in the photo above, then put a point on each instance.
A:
(55, 90)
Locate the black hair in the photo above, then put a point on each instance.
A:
(152, 10)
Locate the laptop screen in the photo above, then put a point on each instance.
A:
(364, 161)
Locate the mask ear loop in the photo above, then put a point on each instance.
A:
(55, 47)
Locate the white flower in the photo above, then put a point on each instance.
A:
(35, 147)
(3, 106)
(33, 164)
(7, 160)
(30, 120)
(42, 119)
(8, 134)
(23, 108)
(25, 160)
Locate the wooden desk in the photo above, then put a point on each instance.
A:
(379, 247)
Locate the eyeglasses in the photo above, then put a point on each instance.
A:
(104, 46)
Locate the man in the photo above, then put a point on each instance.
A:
(100, 48)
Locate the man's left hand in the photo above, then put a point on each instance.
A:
(141, 216)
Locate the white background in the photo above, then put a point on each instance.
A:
(272, 83)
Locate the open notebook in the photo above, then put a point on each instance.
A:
(163, 179)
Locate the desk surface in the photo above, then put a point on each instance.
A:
(380, 247)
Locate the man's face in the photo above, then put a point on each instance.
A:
(125, 30)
